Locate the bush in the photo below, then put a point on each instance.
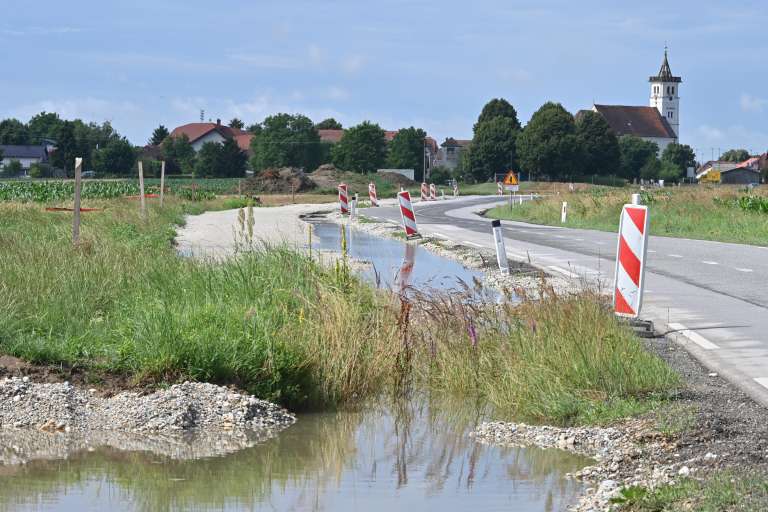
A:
(13, 169)
(38, 170)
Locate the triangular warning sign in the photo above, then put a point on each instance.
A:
(510, 178)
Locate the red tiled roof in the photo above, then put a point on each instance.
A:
(194, 131)
(638, 121)
(244, 140)
(390, 134)
(332, 136)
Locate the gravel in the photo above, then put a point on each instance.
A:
(57, 419)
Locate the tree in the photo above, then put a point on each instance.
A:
(548, 145)
(45, 125)
(117, 157)
(159, 135)
(599, 145)
(255, 128)
(179, 155)
(679, 155)
(735, 155)
(236, 124)
(208, 160)
(497, 107)
(66, 148)
(13, 169)
(670, 172)
(328, 124)
(493, 148)
(406, 151)
(14, 132)
(635, 154)
(286, 141)
(362, 148)
(232, 160)
(651, 169)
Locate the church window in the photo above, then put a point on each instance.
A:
(673, 89)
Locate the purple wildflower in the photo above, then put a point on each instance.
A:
(472, 333)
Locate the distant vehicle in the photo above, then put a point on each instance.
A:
(88, 175)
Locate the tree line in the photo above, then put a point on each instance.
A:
(555, 145)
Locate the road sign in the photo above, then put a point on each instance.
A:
(630, 261)
(511, 183)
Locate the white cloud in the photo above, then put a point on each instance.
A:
(87, 109)
(710, 133)
(317, 55)
(750, 103)
(353, 63)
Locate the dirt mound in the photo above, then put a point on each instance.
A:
(278, 181)
(327, 176)
(396, 179)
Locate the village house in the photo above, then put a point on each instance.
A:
(26, 155)
(200, 133)
(449, 155)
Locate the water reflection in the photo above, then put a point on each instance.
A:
(410, 455)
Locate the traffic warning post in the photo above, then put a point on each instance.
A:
(499, 189)
(78, 189)
(501, 251)
(629, 274)
(408, 215)
(372, 194)
(424, 192)
(343, 199)
(455, 189)
(432, 192)
(563, 213)
(511, 183)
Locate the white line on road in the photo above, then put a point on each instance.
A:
(763, 381)
(473, 244)
(675, 255)
(563, 271)
(707, 262)
(743, 269)
(600, 243)
(694, 337)
(440, 235)
(651, 251)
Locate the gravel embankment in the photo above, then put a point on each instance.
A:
(56, 419)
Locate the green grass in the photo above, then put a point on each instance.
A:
(723, 491)
(706, 213)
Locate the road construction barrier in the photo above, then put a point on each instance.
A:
(499, 189)
(432, 192)
(372, 194)
(442, 194)
(408, 215)
(406, 269)
(501, 251)
(424, 192)
(343, 199)
(563, 212)
(630, 261)
(455, 190)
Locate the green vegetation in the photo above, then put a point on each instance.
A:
(722, 213)
(406, 151)
(726, 490)
(286, 140)
(362, 148)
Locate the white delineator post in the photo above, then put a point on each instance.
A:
(499, 189)
(455, 189)
(162, 182)
(78, 186)
(564, 213)
(432, 192)
(442, 194)
(353, 206)
(372, 194)
(408, 215)
(141, 190)
(630, 261)
(501, 251)
(343, 199)
(424, 192)
(635, 198)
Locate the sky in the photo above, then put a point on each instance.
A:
(428, 63)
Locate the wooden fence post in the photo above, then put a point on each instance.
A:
(162, 182)
(141, 189)
(78, 184)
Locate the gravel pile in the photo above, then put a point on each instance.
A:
(181, 408)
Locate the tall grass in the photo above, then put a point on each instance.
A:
(701, 212)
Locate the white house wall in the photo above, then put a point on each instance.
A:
(212, 136)
(25, 162)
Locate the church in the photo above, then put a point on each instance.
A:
(659, 122)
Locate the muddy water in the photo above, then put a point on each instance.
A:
(412, 455)
(394, 264)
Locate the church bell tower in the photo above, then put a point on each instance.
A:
(664, 95)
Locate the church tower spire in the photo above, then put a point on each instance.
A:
(665, 94)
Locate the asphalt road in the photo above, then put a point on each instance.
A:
(711, 297)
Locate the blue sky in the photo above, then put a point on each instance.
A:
(431, 63)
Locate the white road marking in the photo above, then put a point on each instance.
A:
(675, 255)
(707, 262)
(651, 251)
(563, 271)
(694, 337)
(473, 244)
(743, 269)
(763, 381)
(600, 243)
(440, 235)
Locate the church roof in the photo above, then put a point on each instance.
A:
(638, 121)
(665, 73)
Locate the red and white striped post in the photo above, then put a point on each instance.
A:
(432, 192)
(424, 192)
(409, 217)
(630, 261)
(343, 199)
(372, 194)
(499, 189)
(455, 189)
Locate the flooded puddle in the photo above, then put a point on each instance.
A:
(408, 456)
(394, 264)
